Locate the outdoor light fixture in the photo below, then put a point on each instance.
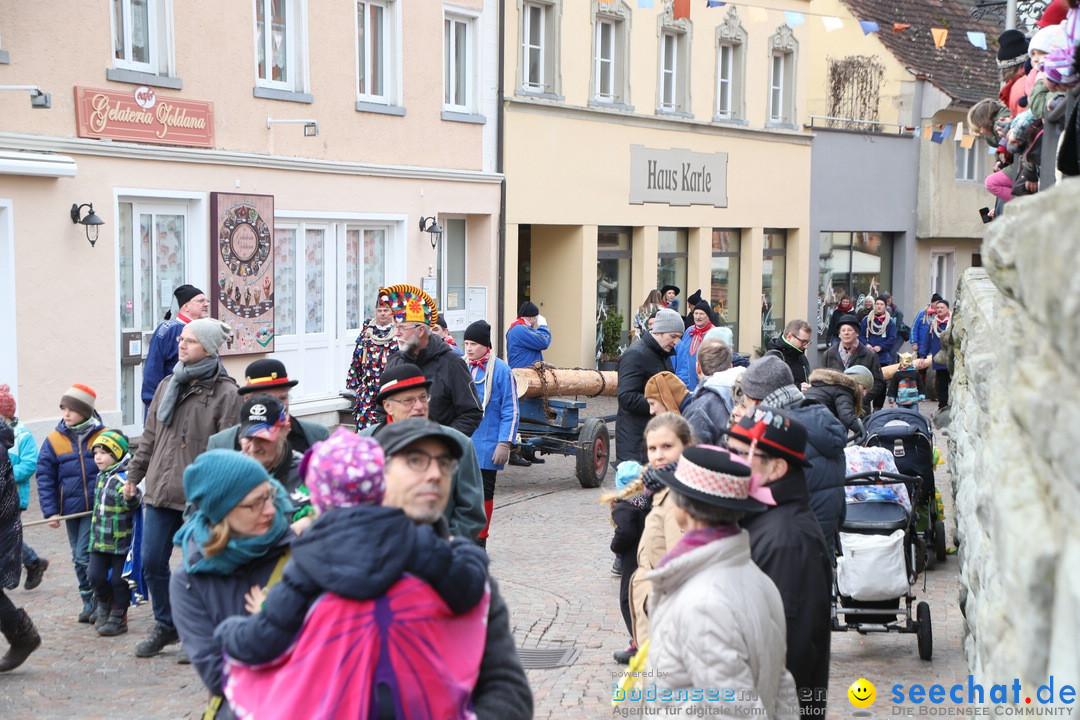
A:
(311, 127)
(90, 221)
(38, 99)
(431, 227)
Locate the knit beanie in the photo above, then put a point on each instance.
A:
(185, 293)
(219, 479)
(344, 471)
(479, 332)
(1059, 69)
(668, 389)
(861, 375)
(1048, 39)
(212, 334)
(81, 399)
(626, 473)
(721, 333)
(528, 309)
(704, 306)
(765, 375)
(1012, 49)
(114, 442)
(668, 320)
(7, 402)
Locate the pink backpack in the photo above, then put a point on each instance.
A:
(406, 647)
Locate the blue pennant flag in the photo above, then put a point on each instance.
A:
(794, 18)
(714, 3)
(868, 26)
(978, 39)
(645, 4)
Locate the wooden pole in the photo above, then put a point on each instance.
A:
(547, 381)
(57, 518)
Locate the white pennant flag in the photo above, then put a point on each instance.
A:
(831, 23)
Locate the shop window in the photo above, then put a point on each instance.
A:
(672, 261)
(142, 42)
(613, 263)
(611, 53)
(782, 50)
(853, 265)
(280, 50)
(540, 34)
(730, 44)
(773, 279)
(378, 54)
(724, 285)
(673, 87)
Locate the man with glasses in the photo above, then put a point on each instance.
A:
(792, 347)
(404, 395)
(648, 355)
(420, 459)
(161, 355)
(264, 437)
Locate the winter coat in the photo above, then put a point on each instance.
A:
(906, 387)
(660, 535)
(357, 553)
(711, 405)
(640, 362)
(302, 435)
(161, 356)
(10, 515)
(24, 456)
(525, 344)
(931, 344)
(686, 361)
(794, 358)
(66, 472)
(203, 408)
(787, 544)
(921, 327)
(839, 393)
(453, 398)
(887, 343)
(113, 521)
(862, 355)
(465, 509)
(500, 423)
(200, 602)
(629, 522)
(825, 442)
(718, 623)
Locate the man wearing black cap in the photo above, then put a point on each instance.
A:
(787, 544)
(269, 376)
(161, 356)
(264, 437)
(420, 459)
(686, 354)
(527, 337)
(404, 394)
(440, 329)
(852, 352)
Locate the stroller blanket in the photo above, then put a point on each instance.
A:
(872, 567)
(869, 459)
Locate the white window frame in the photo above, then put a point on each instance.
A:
(296, 51)
(730, 75)
(365, 77)
(783, 52)
(972, 160)
(679, 32)
(162, 61)
(614, 69)
(472, 32)
(548, 83)
(943, 271)
(604, 67)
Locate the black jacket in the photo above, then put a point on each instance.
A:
(839, 393)
(786, 543)
(825, 442)
(640, 362)
(454, 401)
(10, 515)
(794, 358)
(863, 356)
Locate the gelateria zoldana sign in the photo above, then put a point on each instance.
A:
(143, 116)
(677, 177)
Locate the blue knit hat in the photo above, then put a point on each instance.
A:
(219, 479)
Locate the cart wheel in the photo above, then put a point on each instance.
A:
(939, 540)
(924, 630)
(592, 456)
(928, 548)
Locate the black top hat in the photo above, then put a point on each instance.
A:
(265, 374)
(775, 433)
(710, 475)
(399, 378)
(848, 320)
(663, 290)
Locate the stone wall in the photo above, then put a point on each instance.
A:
(1014, 444)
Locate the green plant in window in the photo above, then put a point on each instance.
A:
(611, 331)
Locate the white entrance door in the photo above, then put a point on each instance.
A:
(155, 259)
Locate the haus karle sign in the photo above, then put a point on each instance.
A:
(143, 116)
(677, 177)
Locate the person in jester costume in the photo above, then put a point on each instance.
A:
(374, 346)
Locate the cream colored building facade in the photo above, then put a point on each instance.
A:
(644, 149)
(389, 113)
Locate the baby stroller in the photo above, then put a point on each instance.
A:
(906, 434)
(878, 563)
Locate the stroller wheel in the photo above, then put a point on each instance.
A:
(939, 540)
(924, 631)
(923, 552)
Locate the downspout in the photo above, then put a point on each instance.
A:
(499, 142)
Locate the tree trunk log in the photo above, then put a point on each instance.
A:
(564, 382)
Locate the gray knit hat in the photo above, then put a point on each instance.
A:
(861, 375)
(668, 321)
(212, 334)
(766, 375)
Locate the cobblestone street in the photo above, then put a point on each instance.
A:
(549, 553)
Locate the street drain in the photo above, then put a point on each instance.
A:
(547, 658)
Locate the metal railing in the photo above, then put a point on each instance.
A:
(859, 124)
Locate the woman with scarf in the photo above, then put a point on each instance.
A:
(237, 540)
(878, 331)
(374, 346)
(686, 353)
(843, 307)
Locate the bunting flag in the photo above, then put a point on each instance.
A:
(946, 132)
(647, 4)
(967, 142)
(793, 18)
(756, 14)
(936, 138)
(831, 23)
(927, 132)
(900, 27)
(939, 36)
(681, 9)
(978, 39)
(868, 26)
(714, 3)
(959, 132)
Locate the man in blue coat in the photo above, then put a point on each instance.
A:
(162, 355)
(498, 396)
(686, 355)
(930, 345)
(527, 337)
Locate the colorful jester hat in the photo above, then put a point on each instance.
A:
(409, 304)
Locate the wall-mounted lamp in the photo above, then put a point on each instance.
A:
(311, 127)
(431, 227)
(90, 221)
(38, 99)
